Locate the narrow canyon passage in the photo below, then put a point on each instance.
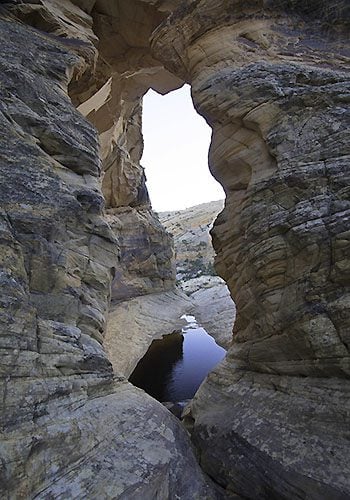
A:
(175, 161)
(175, 157)
(88, 271)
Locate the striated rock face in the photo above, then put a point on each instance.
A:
(146, 253)
(193, 245)
(69, 427)
(269, 77)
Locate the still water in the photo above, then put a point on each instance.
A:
(174, 367)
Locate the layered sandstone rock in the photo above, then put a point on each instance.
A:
(214, 308)
(269, 76)
(134, 323)
(193, 246)
(69, 427)
(146, 253)
(270, 81)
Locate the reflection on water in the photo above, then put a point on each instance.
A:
(174, 367)
(154, 370)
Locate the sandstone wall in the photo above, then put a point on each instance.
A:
(271, 80)
(193, 245)
(124, 71)
(70, 428)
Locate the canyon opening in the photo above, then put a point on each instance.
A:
(175, 157)
(88, 273)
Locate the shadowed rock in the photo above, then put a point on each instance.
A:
(271, 80)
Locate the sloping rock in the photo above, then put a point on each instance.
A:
(215, 309)
(194, 254)
(146, 253)
(115, 443)
(286, 434)
(133, 324)
(190, 229)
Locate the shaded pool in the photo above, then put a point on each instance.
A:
(174, 367)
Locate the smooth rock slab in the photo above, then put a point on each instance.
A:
(214, 309)
(134, 323)
(119, 445)
(288, 435)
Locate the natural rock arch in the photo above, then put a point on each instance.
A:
(268, 77)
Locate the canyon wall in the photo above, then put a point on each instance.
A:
(193, 246)
(70, 426)
(271, 80)
(269, 77)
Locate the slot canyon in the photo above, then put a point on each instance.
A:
(88, 275)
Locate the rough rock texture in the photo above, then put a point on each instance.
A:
(282, 433)
(69, 428)
(193, 246)
(270, 79)
(146, 253)
(133, 324)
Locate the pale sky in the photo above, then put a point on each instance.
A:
(175, 156)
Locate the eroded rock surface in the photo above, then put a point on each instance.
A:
(271, 80)
(194, 256)
(214, 308)
(69, 428)
(190, 229)
(288, 435)
(146, 253)
(133, 324)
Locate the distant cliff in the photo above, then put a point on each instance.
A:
(194, 256)
(190, 227)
